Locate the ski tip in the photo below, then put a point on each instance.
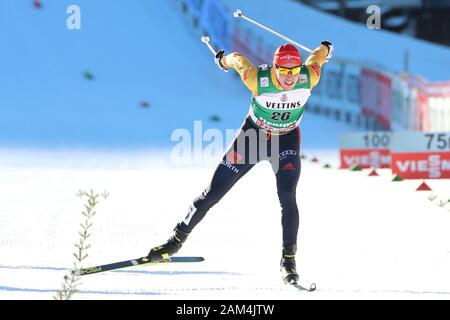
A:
(295, 284)
(76, 273)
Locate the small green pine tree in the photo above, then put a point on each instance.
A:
(71, 282)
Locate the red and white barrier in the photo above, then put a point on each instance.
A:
(431, 104)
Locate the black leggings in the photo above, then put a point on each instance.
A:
(250, 146)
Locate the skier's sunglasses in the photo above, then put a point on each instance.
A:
(293, 70)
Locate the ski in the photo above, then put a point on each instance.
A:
(132, 263)
(294, 284)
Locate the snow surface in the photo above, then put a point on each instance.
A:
(359, 238)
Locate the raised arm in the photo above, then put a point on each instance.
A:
(316, 59)
(245, 69)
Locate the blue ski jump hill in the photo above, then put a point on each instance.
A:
(136, 71)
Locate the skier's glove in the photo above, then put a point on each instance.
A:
(330, 49)
(218, 57)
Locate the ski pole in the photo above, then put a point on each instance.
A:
(238, 13)
(205, 40)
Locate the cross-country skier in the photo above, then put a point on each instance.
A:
(279, 96)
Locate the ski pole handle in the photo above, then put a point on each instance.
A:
(205, 40)
(238, 14)
(217, 55)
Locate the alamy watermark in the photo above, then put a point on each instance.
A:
(73, 22)
(209, 146)
(374, 20)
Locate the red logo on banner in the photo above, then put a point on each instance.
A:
(423, 165)
(366, 158)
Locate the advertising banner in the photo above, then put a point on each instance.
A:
(194, 7)
(366, 149)
(216, 21)
(376, 96)
(421, 155)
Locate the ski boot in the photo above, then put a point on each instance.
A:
(287, 264)
(165, 251)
